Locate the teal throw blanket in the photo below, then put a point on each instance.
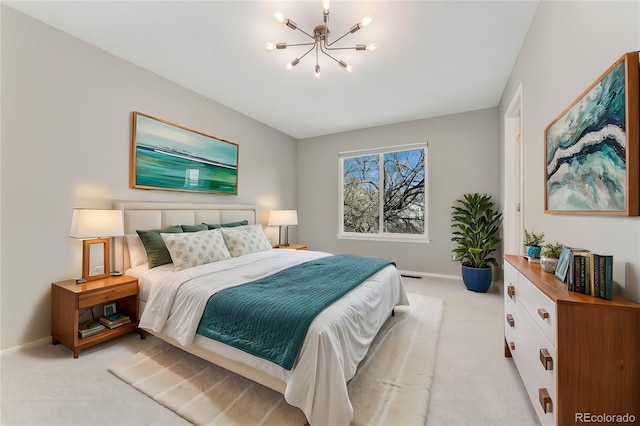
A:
(269, 317)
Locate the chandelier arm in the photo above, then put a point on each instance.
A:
(323, 51)
(338, 39)
(341, 48)
(300, 44)
(307, 52)
(305, 33)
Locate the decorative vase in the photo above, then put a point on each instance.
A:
(533, 251)
(549, 264)
(477, 279)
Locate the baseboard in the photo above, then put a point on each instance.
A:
(24, 346)
(415, 274)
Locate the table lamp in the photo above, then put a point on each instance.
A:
(95, 228)
(283, 218)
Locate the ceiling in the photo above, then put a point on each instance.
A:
(434, 58)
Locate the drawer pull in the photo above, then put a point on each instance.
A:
(546, 360)
(510, 320)
(512, 345)
(511, 291)
(545, 400)
(543, 313)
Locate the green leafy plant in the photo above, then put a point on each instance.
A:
(476, 224)
(552, 250)
(532, 239)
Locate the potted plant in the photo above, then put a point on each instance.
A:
(476, 224)
(532, 244)
(549, 257)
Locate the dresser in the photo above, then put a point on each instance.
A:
(578, 356)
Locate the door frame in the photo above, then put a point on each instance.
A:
(513, 211)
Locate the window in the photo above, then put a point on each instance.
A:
(384, 194)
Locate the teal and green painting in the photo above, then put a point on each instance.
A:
(172, 157)
(586, 147)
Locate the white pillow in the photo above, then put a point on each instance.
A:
(137, 252)
(247, 239)
(191, 249)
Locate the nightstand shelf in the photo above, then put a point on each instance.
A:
(68, 299)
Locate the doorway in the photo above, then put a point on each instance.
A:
(513, 183)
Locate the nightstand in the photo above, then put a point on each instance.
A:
(69, 299)
(292, 247)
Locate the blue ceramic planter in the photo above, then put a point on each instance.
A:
(477, 279)
(534, 251)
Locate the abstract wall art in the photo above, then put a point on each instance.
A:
(592, 148)
(171, 157)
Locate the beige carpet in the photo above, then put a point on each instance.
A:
(391, 386)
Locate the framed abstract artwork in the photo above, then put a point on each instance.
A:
(592, 148)
(172, 157)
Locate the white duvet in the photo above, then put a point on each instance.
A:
(336, 342)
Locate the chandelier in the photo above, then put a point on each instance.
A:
(320, 39)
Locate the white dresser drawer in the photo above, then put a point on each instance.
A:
(510, 321)
(537, 370)
(541, 309)
(511, 277)
(510, 308)
(510, 317)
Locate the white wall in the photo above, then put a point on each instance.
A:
(569, 45)
(462, 157)
(66, 112)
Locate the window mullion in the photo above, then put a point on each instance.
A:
(381, 193)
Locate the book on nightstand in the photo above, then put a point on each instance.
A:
(89, 328)
(118, 324)
(114, 320)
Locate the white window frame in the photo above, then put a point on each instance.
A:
(381, 235)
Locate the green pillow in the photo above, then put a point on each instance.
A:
(157, 252)
(227, 225)
(194, 228)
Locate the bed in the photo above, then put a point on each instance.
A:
(171, 303)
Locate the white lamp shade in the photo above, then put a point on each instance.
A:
(283, 217)
(87, 223)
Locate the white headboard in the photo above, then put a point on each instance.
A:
(154, 215)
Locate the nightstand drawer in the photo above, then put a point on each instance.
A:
(107, 294)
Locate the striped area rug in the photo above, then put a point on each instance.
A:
(391, 385)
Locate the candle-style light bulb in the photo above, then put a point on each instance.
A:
(292, 64)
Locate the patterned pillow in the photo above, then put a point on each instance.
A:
(137, 253)
(157, 253)
(191, 249)
(245, 240)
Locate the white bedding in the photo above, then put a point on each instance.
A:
(336, 342)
